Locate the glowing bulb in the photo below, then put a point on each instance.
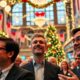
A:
(7, 8)
(3, 3)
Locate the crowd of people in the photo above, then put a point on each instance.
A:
(38, 68)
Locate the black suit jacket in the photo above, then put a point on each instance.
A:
(77, 71)
(50, 71)
(17, 73)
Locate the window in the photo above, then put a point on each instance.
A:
(31, 13)
(61, 13)
(17, 15)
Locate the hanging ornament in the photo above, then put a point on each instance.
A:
(38, 14)
(24, 0)
(56, 0)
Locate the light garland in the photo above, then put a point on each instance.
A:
(12, 2)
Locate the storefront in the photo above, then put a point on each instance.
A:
(68, 49)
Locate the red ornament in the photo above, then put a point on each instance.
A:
(40, 14)
(36, 13)
(24, 0)
(8, 24)
(13, 33)
(56, 0)
(1, 16)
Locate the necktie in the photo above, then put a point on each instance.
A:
(0, 73)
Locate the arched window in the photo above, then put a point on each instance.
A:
(18, 12)
(31, 13)
(61, 13)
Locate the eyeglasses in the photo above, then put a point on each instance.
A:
(2, 48)
(41, 42)
(76, 39)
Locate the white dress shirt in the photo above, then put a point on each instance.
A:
(39, 71)
(5, 72)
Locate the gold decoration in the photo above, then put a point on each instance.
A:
(40, 6)
(12, 2)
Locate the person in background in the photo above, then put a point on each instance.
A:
(65, 68)
(52, 60)
(76, 43)
(76, 70)
(9, 49)
(18, 60)
(73, 64)
(41, 68)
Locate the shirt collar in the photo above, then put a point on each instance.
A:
(42, 63)
(7, 69)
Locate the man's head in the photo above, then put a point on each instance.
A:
(77, 59)
(18, 60)
(52, 60)
(38, 44)
(9, 50)
(76, 40)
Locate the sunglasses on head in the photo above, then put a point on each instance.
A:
(76, 39)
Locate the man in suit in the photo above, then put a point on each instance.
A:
(76, 43)
(41, 68)
(9, 50)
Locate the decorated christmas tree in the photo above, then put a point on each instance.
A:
(3, 34)
(54, 45)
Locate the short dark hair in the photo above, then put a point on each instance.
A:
(37, 35)
(11, 45)
(74, 31)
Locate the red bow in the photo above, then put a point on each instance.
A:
(24, 0)
(39, 13)
(56, 0)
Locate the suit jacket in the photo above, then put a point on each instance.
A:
(77, 71)
(50, 71)
(17, 73)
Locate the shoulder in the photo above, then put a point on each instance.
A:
(28, 65)
(24, 74)
(53, 68)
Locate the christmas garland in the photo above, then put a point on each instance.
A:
(40, 6)
(12, 2)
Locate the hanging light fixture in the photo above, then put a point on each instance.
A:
(7, 8)
(3, 4)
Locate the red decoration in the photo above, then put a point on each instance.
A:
(22, 36)
(56, 0)
(8, 24)
(13, 33)
(1, 16)
(24, 0)
(39, 14)
(62, 37)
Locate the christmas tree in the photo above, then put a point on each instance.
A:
(3, 34)
(54, 45)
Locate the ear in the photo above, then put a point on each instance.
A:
(10, 54)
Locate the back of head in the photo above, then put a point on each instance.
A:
(11, 46)
(52, 60)
(74, 31)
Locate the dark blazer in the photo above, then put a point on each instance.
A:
(77, 71)
(50, 71)
(17, 73)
